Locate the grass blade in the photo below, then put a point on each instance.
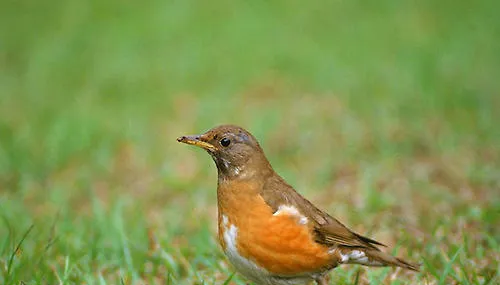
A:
(229, 279)
(16, 250)
(448, 266)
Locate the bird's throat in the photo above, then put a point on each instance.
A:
(234, 172)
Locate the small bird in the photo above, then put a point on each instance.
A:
(268, 231)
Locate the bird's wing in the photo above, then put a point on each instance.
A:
(328, 230)
(336, 233)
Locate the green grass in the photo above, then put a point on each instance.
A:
(385, 114)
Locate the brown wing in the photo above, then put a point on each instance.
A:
(328, 230)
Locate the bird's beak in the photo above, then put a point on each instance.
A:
(197, 141)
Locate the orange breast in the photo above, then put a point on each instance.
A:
(278, 243)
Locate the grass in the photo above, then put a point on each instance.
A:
(386, 115)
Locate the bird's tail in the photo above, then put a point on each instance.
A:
(373, 257)
(389, 260)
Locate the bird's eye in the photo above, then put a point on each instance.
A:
(225, 142)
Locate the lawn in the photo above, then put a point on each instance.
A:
(385, 114)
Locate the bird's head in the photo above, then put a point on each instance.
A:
(235, 151)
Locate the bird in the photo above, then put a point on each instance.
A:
(269, 232)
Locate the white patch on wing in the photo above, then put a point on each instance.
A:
(344, 258)
(291, 211)
(358, 257)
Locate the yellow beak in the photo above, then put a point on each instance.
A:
(196, 140)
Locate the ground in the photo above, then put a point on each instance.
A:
(384, 114)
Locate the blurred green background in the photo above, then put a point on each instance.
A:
(384, 113)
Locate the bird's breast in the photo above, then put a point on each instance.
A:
(253, 236)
